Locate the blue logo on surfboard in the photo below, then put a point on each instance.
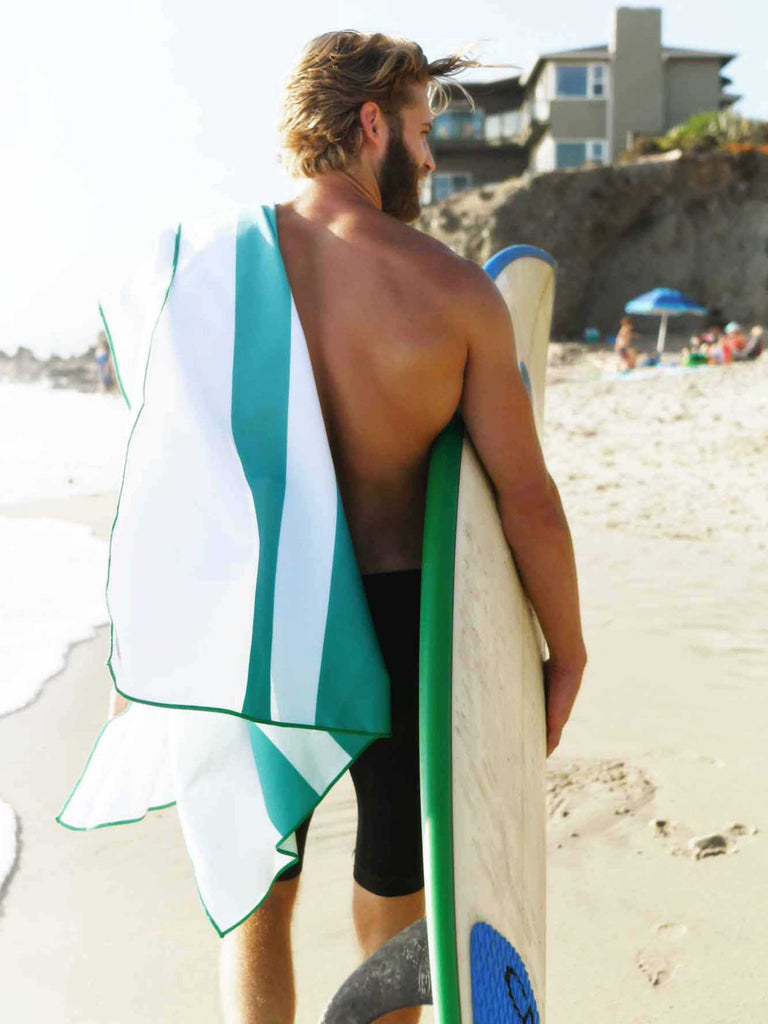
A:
(501, 989)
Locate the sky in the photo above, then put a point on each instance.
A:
(117, 120)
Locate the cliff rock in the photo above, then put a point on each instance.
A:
(698, 223)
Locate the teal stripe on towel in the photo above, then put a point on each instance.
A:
(260, 381)
(351, 651)
(288, 797)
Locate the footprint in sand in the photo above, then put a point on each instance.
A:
(708, 846)
(725, 841)
(657, 963)
(699, 847)
(596, 791)
(657, 968)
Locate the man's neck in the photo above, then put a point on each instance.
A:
(355, 189)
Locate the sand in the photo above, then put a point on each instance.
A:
(658, 861)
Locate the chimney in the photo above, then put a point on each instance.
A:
(637, 93)
(636, 27)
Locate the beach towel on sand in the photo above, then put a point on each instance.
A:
(239, 624)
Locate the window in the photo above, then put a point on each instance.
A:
(571, 80)
(570, 154)
(580, 81)
(508, 125)
(459, 124)
(511, 124)
(444, 185)
(576, 153)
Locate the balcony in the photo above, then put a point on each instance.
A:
(459, 125)
(460, 130)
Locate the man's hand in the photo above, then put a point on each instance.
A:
(117, 704)
(561, 684)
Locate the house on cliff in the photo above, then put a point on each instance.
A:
(575, 106)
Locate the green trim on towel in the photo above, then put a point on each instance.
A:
(104, 824)
(114, 357)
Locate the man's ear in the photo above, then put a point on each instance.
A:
(373, 122)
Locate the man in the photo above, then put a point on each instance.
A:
(401, 333)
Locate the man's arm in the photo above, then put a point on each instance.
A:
(498, 415)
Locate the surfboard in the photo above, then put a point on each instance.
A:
(482, 715)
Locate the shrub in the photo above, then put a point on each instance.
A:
(701, 133)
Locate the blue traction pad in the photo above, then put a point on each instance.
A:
(501, 990)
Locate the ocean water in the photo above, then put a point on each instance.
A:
(53, 444)
(51, 596)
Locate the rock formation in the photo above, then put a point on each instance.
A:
(78, 372)
(698, 223)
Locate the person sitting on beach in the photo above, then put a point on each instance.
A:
(728, 345)
(712, 336)
(696, 355)
(623, 347)
(753, 345)
(714, 348)
(719, 352)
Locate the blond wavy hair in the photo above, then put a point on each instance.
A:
(337, 73)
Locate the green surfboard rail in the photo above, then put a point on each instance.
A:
(435, 665)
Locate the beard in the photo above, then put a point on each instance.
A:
(399, 180)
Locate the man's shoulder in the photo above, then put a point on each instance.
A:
(474, 297)
(463, 278)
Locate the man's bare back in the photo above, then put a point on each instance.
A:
(376, 299)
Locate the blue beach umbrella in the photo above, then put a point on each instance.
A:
(663, 302)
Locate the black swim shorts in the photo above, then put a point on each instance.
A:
(388, 858)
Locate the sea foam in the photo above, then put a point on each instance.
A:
(51, 596)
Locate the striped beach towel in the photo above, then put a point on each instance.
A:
(239, 624)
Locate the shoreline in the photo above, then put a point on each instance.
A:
(55, 550)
